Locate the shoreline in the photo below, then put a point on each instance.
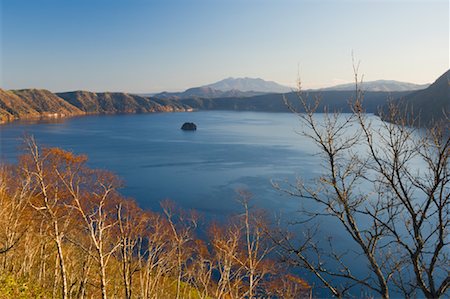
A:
(59, 117)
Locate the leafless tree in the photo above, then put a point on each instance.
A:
(156, 256)
(88, 198)
(200, 271)
(38, 167)
(241, 251)
(256, 246)
(96, 205)
(14, 200)
(182, 225)
(226, 242)
(398, 221)
(132, 225)
(67, 231)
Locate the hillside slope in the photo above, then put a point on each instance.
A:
(380, 85)
(431, 104)
(33, 103)
(116, 102)
(39, 103)
(333, 100)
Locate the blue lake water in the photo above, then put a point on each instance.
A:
(200, 170)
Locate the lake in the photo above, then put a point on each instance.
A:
(200, 170)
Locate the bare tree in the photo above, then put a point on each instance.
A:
(256, 246)
(182, 225)
(398, 222)
(416, 198)
(241, 251)
(226, 242)
(288, 286)
(132, 223)
(96, 204)
(200, 271)
(156, 256)
(39, 167)
(66, 229)
(14, 200)
(89, 197)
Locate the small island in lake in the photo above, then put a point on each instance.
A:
(189, 127)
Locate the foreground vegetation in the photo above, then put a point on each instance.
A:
(65, 231)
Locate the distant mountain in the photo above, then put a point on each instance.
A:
(431, 104)
(249, 84)
(380, 85)
(36, 103)
(207, 93)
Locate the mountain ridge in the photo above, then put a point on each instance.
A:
(26, 104)
(380, 85)
(247, 84)
(205, 92)
(431, 102)
(430, 105)
(247, 87)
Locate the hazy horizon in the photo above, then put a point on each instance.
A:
(145, 47)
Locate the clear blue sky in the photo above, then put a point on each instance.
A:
(148, 46)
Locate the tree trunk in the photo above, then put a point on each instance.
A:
(102, 276)
(61, 261)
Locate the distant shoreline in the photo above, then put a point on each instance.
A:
(39, 104)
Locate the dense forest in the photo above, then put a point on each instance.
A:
(67, 232)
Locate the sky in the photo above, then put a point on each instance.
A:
(170, 45)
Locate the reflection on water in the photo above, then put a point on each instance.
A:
(37, 120)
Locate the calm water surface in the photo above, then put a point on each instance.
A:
(201, 169)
